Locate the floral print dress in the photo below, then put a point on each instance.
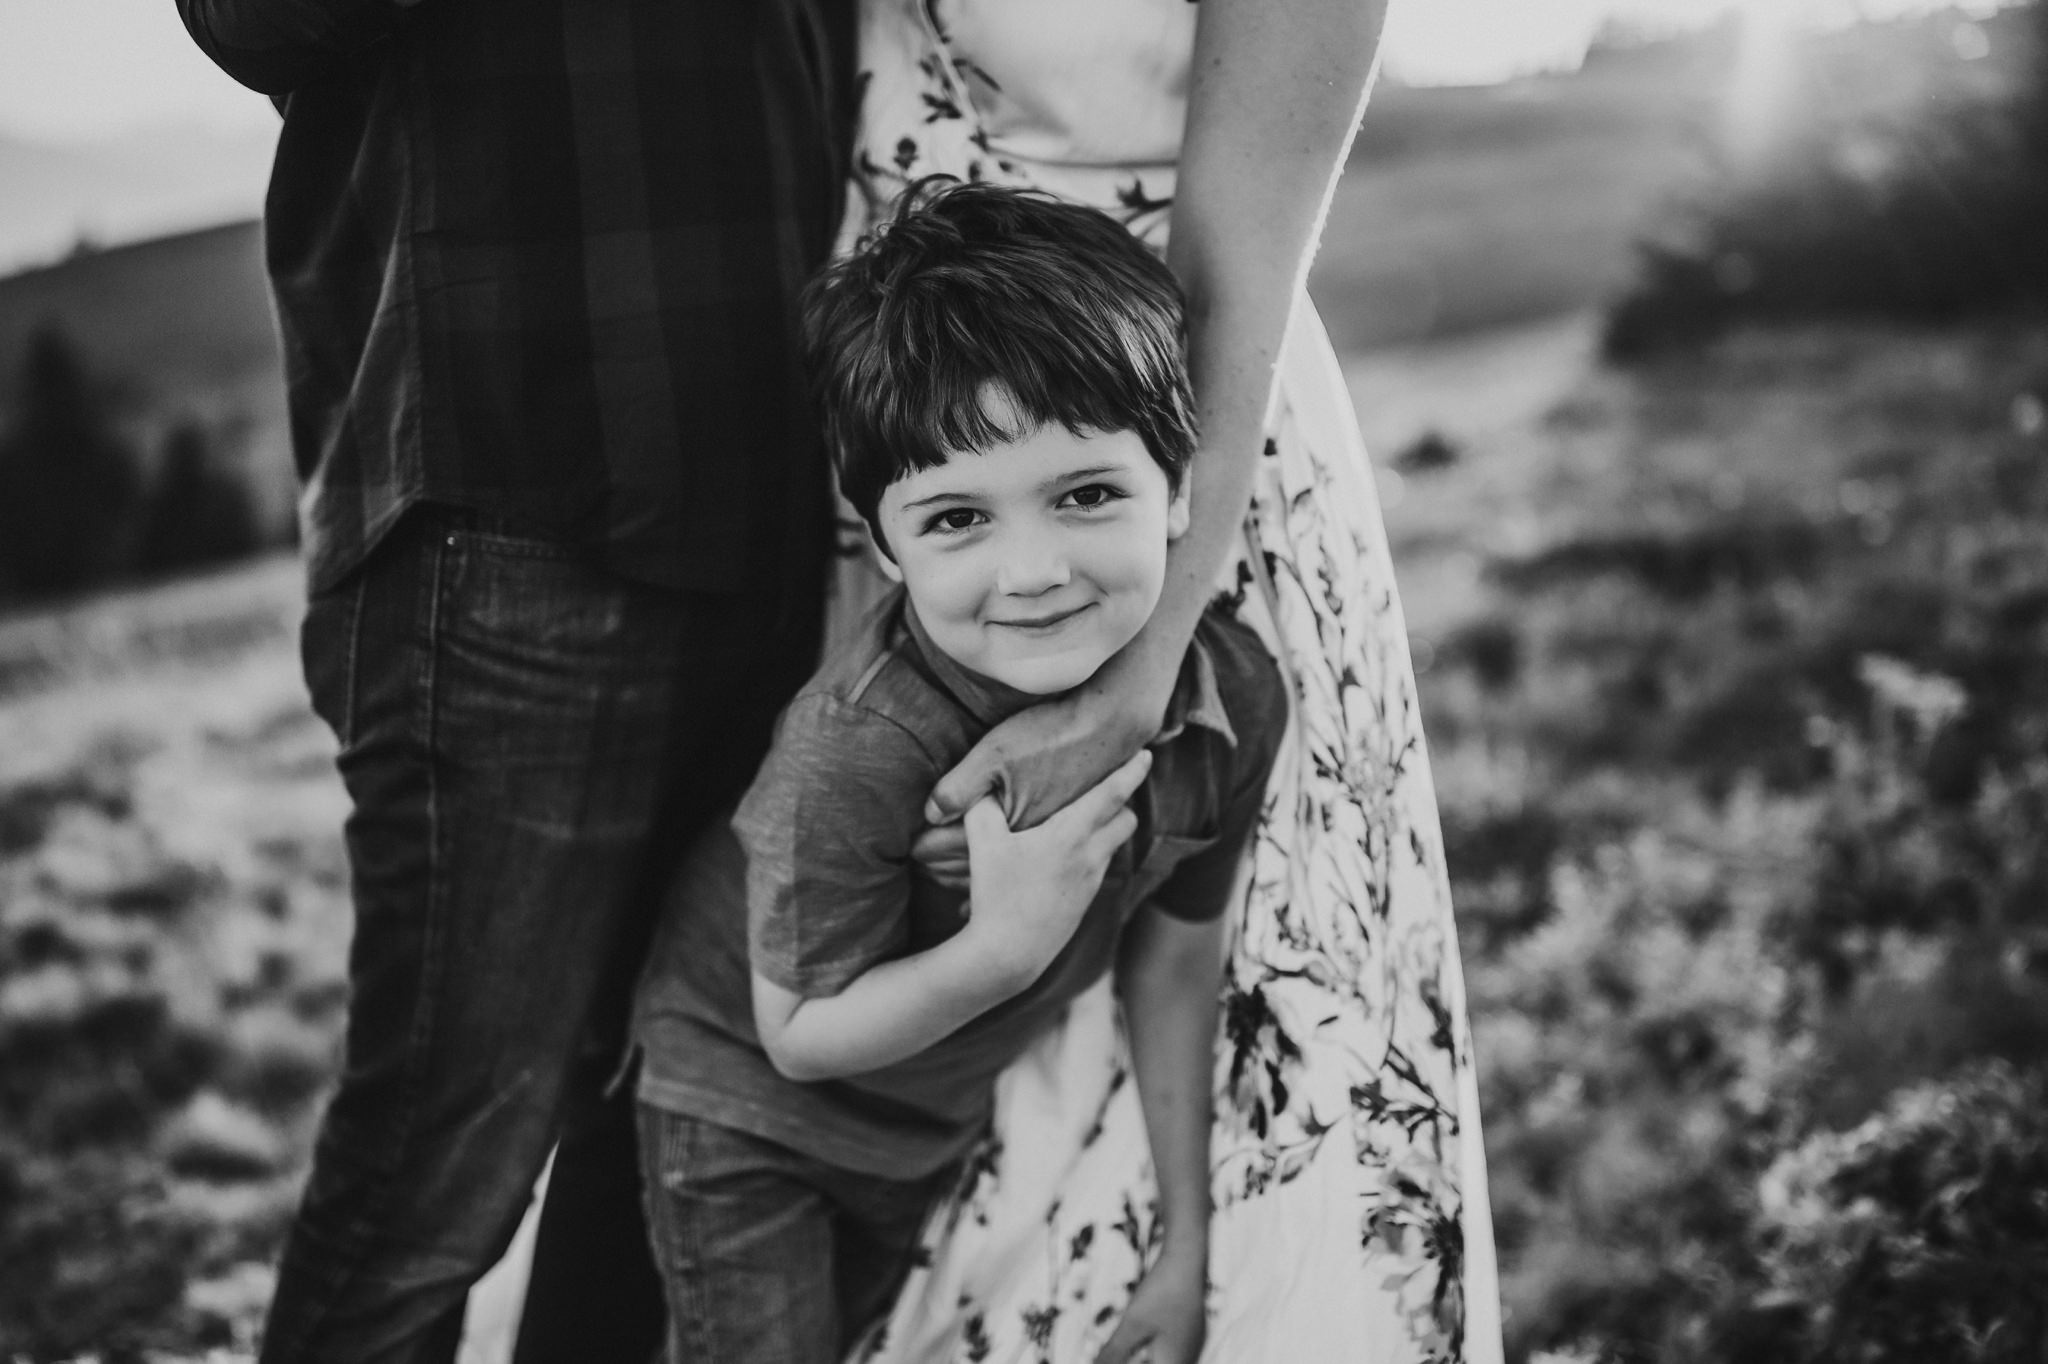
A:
(1351, 1218)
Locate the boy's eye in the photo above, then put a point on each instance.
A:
(954, 519)
(1094, 495)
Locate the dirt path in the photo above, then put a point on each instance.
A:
(1472, 386)
(1488, 397)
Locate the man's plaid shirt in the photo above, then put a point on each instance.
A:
(540, 258)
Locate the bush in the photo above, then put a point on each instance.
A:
(1920, 1235)
(1745, 819)
(1926, 209)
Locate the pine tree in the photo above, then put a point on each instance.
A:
(197, 514)
(69, 485)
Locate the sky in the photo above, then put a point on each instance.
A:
(114, 128)
(81, 70)
(75, 70)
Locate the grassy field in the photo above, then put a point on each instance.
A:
(173, 923)
(1640, 603)
(1736, 687)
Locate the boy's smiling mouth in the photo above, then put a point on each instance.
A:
(1044, 623)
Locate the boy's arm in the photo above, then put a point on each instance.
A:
(889, 1013)
(1168, 973)
(1029, 891)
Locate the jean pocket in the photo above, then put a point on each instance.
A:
(527, 600)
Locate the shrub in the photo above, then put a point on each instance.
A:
(1427, 453)
(1924, 210)
(1920, 1235)
(1820, 895)
(92, 1251)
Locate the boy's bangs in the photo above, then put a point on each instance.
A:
(980, 314)
(976, 376)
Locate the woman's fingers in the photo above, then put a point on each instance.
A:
(984, 820)
(1101, 803)
(1098, 822)
(975, 778)
(1114, 834)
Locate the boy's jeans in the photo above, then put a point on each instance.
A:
(769, 1256)
(527, 742)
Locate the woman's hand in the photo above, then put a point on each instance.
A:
(1165, 1323)
(1040, 759)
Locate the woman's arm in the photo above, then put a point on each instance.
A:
(1275, 94)
(275, 46)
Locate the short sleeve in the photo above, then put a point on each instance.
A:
(826, 829)
(1199, 888)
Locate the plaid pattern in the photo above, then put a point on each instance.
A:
(539, 258)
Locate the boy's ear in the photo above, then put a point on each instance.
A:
(1177, 511)
(885, 561)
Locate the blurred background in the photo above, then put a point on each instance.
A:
(1704, 353)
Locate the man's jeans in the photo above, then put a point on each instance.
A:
(769, 1256)
(528, 743)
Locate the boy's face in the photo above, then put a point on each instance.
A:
(1034, 561)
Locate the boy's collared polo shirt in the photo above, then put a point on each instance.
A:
(812, 883)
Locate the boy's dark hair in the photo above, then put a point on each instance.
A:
(976, 287)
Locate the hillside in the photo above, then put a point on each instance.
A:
(1471, 208)
(1462, 208)
(147, 184)
(178, 313)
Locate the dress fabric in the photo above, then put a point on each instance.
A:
(1351, 1216)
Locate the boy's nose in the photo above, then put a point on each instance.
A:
(1033, 566)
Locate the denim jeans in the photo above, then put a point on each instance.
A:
(528, 742)
(767, 1255)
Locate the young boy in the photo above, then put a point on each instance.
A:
(821, 1023)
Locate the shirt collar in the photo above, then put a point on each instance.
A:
(1196, 700)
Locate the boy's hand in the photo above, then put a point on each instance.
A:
(942, 851)
(1030, 889)
(1165, 1323)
